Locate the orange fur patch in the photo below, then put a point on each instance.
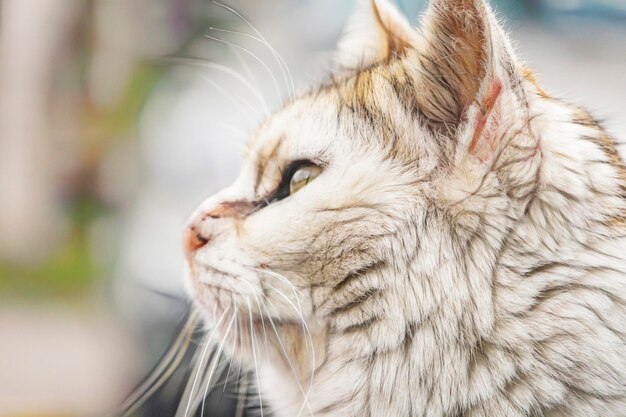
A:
(532, 78)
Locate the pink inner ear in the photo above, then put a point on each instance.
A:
(487, 105)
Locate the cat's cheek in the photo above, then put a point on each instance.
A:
(209, 300)
(202, 298)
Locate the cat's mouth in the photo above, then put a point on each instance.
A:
(209, 279)
(220, 288)
(212, 269)
(242, 331)
(246, 317)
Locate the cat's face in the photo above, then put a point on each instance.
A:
(319, 197)
(348, 186)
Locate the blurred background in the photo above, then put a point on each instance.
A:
(117, 117)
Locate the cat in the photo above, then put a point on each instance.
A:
(430, 233)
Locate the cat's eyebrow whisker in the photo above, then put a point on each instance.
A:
(244, 65)
(229, 71)
(238, 102)
(262, 38)
(239, 145)
(279, 59)
(253, 55)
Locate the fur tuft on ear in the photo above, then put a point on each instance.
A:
(463, 47)
(466, 68)
(375, 32)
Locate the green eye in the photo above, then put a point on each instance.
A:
(302, 177)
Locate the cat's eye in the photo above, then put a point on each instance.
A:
(295, 177)
(302, 176)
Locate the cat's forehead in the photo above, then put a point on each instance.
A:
(336, 118)
(305, 126)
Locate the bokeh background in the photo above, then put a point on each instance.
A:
(117, 117)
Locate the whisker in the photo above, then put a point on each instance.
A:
(226, 70)
(166, 367)
(279, 59)
(233, 129)
(241, 401)
(256, 365)
(309, 338)
(287, 357)
(244, 65)
(215, 361)
(236, 143)
(230, 362)
(296, 294)
(253, 55)
(190, 388)
(198, 369)
(260, 305)
(262, 39)
(238, 102)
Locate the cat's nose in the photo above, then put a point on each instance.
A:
(198, 233)
(193, 240)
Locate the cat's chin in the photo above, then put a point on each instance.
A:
(234, 325)
(220, 302)
(228, 320)
(244, 334)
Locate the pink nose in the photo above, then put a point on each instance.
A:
(192, 240)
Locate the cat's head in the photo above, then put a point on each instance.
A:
(357, 202)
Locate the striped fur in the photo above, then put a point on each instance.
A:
(463, 253)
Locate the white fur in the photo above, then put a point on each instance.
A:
(500, 289)
(365, 40)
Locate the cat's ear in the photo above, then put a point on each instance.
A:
(467, 67)
(375, 32)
